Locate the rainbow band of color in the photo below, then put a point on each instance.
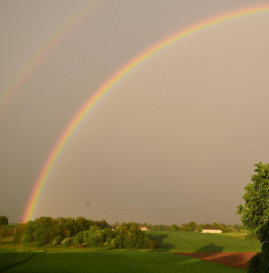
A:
(91, 102)
(40, 54)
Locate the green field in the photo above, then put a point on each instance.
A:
(106, 261)
(202, 242)
(235, 234)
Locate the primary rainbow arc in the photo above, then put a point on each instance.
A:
(106, 86)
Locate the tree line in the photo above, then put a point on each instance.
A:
(82, 232)
(193, 226)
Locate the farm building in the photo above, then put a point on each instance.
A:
(144, 228)
(211, 231)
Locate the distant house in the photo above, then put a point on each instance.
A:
(144, 228)
(211, 231)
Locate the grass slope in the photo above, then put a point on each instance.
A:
(9, 259)
(147, 261)
(201, 242)
(113, 261)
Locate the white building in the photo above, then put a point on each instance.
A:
(144, 228)
(211, 231)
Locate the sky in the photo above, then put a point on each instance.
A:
(174, 141)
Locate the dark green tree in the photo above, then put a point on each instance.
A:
(3, 220)
(44, 230)
(260, 262)
(255, 212)
(94, 237)
(129, 235)
(28, 232)
(175, 227)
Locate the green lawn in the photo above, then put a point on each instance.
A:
(109, 262)
(235, 234)
(10, 258)
(202, 242)
(46, 259)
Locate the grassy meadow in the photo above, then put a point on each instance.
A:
(181, 241)
(106, 261)
(48, 259)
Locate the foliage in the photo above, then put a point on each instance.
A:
(57, 240)
(199, 228)
(129, 235)
(28, 232)
(102, 224)
(19, 234)
(254, 264)
(175, 227)
(3, 220)
(67, 231)
(79, 238)
(192, 226)
(260, 262)
(44, 230)
(255, 212)
(94, 237)
(66, 242)
(158, 227)
(6, 231)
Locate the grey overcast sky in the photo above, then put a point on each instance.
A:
(175, 140)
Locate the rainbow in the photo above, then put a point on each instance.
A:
(39, 55)
(105, 87)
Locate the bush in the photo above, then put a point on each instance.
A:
(260, 262)
(199, 228)
(57, 240)
(254, 264)
(113, 244)
(19, 232)
(3, 220)
(66, 242)
(79, 239)
(155, 244)
(94, 237)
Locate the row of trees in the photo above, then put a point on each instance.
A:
(81, 232)
(45, 229)
(193, 226)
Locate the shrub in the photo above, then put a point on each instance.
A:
(3, 220)
(57, 240)
(254, 264)
(113, 244)
(260, 262)
(79, 239)
(199, 228)
(66, 242)
(155, 244)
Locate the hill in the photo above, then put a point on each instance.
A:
(180, 241)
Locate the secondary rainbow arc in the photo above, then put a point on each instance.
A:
(106, 86)
(40, 54)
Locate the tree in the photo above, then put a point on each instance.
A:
(260, 262)
(191, 226)
(175, 227)
(255, 212)
(3, 220)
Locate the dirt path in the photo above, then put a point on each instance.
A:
(234, 259)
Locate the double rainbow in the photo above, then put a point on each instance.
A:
(91, 102)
